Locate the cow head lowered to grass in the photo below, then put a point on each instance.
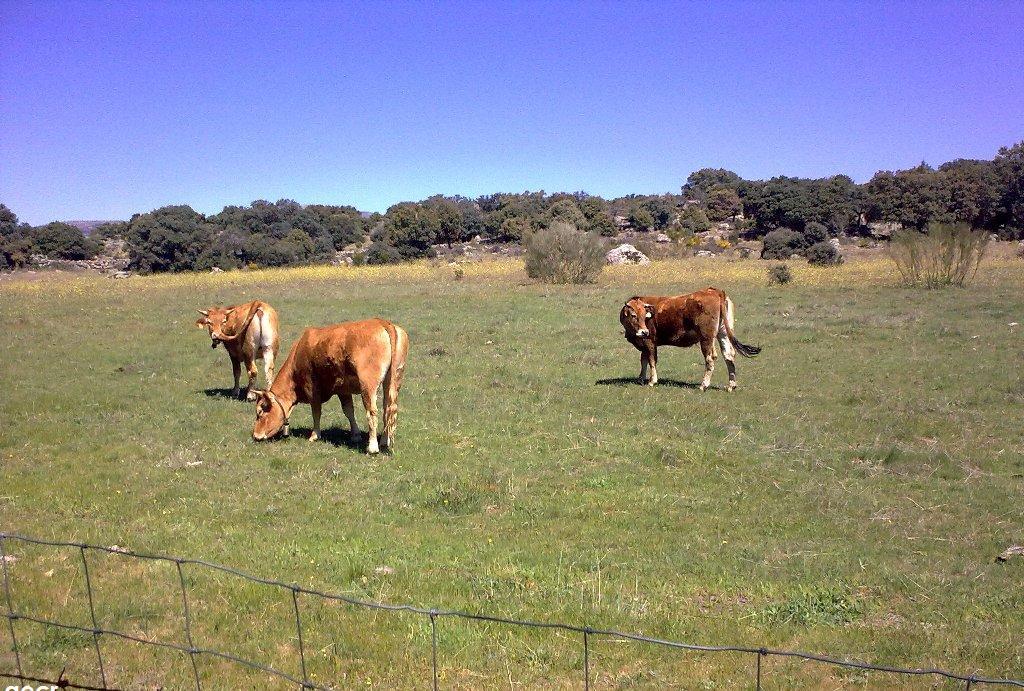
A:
(683, 320)
(249, 332)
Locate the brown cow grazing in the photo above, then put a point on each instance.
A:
(684, 320)
(249, 332)
(340, 360)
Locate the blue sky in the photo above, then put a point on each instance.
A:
(111, 108)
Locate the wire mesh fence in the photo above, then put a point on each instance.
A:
(296, 594)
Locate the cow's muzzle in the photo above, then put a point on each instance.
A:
(642, 333)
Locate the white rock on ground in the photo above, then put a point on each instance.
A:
(626, 254)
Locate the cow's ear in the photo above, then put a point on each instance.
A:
(202, 322)
(259, 312)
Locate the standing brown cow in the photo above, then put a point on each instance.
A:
(340, 360)
(683, 320)
(249, 332)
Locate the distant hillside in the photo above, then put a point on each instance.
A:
(87, 226)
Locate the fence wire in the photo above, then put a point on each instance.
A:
(586, 633)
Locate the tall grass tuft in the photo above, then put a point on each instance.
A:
(563, 254)
(948, 254)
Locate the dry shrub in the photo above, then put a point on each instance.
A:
(947, 254)
(563, 254)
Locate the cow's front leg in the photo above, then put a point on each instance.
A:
(236, 371)
(370, 403)
(317, 407)
(250, 393)
(350, 413)
(649, 365)
(708, 350)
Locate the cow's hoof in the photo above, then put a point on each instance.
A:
(732, 387)
(234, 393)
(314, 436)
(250, 396)
(652, 382)
(703, 387)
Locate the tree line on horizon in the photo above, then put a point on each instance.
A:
(787, 212)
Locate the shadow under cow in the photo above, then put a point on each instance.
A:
(335, 436)
(222, 393)
(633, 381)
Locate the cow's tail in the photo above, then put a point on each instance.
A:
(726, 318)
(245, 324)
(392, 382)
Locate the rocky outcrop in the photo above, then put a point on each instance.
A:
(626, 254)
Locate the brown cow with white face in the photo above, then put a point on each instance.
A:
(248, 332)
(684, 320)
(340, 360)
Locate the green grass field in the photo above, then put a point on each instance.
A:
(848, 499)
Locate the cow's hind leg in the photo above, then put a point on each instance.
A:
(250, 393)
(350, 413)
(729, 353)
(707, 348)
(369, 392)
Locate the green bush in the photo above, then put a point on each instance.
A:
(815, 232)
(824, 254)
(563, 254)
(779, 275)
(63, 241)
(382, 253)
(693, 220)
(782, 243)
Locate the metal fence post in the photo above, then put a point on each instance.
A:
(92, 614)
(586, 659)
(433, 644)
(760, 654)
(188, 625)
(11, 616)
(302, 648)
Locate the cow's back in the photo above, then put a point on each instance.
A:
(335, 359)
(684, 320)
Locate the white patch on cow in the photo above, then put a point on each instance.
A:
(384, 340)
(728, 351)
(266, 332)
